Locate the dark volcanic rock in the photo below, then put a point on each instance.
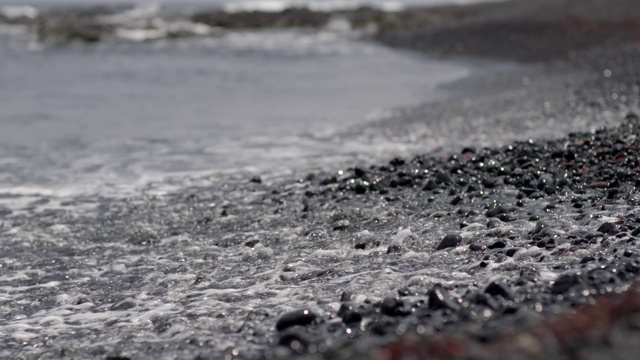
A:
(439, 298)
(301, 317)
(450, 240)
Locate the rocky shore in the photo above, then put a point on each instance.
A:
(525, 249)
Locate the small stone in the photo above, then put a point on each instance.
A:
(450, 240)
(328, 181)
(394, 249)
(587, 259)
(252, 243)
(256, 179)
(476, 247)
(468, 151)
(439, 298)
(430, 185)
(346, 296)
(341, 224)
(495, 211)
(294, 341)
(497, 245)
(392, 307)
(351, 316)
(301, 317)
(494, 223)
(360, 189)
(489, 182)
(443, 178)
(125, 304)
(564, 283)
(511, 252)
(606, 228)
(540, 226)
(499, 289)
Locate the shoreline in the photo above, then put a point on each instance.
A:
(464, 249)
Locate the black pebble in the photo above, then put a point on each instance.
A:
(606, 228)
(360, 189)
(392, 307)
(439, 298)
(498, 245)
(256, 179)
(394, 249)
(495, 211)
(499, 289)
(511, 252)
(346, 296)
(430, 185)
(351, 316)
(294, 341)
(443, 178)
(636, 231)
(450, 240)
(476, 247)
(564, 283)
(298, 317)
(587, 259)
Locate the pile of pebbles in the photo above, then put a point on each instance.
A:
(559, 218)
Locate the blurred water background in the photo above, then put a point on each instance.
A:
(86, 118)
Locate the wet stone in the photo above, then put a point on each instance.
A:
(360, 189)
(499, 289)
(497, 245)
(392, 306)
(341, 224)
(301, 317)
(450, 240)
(587, 259)
(564, 283)
(293, 340)
(346, 296)
(495, 211)
(394, 249)
(430, 185)
(439, 298)
(124, 305)
(443, 178)
(494, 223)
(351, 316)
(606, 228)
(477, 247)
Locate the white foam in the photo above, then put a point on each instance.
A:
(140, 12)
(17, 12)
(321, 6)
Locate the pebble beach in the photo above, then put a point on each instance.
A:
(514, 236)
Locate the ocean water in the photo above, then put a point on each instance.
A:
(84, 117)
